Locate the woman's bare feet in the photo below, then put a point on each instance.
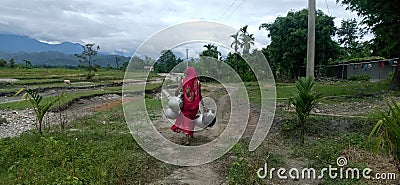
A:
(187, 139)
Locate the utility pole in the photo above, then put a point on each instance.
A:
(311, 39)
(187, 58)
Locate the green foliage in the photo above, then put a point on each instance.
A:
(89, 75)
(247, 40)
(240, 66)
(387, 129)
(391, 74)
(360, 78)
(347, 33)
(3, 63)
(36, 102)
(304, 100)
(243, 170)
(382, 19)
(236, 42)
(361, 59)
(240, 171)
(87, 56)
(166, 62)
(28, 63)
(12, 63)
(243, 39)
(330, 90)
(211, 51)
(288, 48)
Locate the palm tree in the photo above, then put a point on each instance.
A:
(211, 51)
(236, 42)
(304, 100)
(247, 40)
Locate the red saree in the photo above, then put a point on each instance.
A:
(191, 100)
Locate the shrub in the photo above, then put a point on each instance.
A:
(40, 107)
(360, 78)
(387, 129)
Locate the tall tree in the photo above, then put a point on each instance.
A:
(12, 62)
(28, 63)
(348, 33)
(236, 42)
(166, 62)
(211, 51)
(246, 39)
(349, 37)
(88, 54)
(288, 47)
(3, 63)
(383, 19)
(117, 59)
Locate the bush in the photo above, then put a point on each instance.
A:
(360, 78)
(387, 129)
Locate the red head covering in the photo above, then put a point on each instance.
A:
(191, 88)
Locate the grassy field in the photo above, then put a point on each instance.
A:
(89, 152)
(48, 74)
(328, 90)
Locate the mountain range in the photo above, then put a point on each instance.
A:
(22, 48)
(17, 43)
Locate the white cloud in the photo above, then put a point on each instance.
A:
(121, 25)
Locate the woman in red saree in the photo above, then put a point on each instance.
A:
(191, 99)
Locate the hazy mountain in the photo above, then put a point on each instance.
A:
(24, 48)
(55, 58)
(16, 43)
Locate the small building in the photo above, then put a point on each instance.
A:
(376, 69)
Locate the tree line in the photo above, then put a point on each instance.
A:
(287, 51)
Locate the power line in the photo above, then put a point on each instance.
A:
(230, 6)
(327, 7)
(234, 11)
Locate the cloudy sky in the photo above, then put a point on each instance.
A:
(122, 25)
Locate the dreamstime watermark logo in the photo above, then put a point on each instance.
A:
(339, 172)
(192, 36)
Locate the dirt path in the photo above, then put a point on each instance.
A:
(207, 173)
(216, 171)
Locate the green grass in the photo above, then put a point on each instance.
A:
(243, 169)
(15, 87)
(327, 89)
(73, 96)
(337, 88)
(94, 153)
(107, 154)
(69, 97)
(58, 73)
